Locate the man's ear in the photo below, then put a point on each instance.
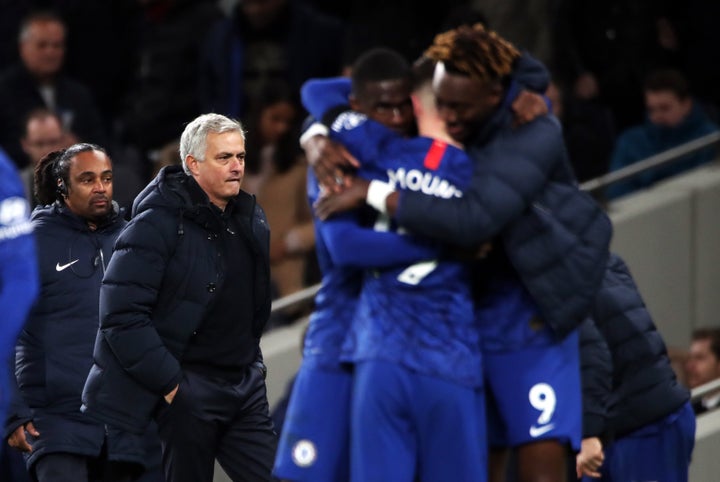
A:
(192, 164)
(417, 104)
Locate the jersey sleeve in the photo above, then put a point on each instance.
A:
(319, 96)
(19, 279)
(352, 245)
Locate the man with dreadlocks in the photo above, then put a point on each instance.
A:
(550, 247)
(75, 226)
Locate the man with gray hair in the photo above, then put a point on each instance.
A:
(183, 303)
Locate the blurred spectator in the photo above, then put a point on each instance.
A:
(43, 133)
(264, 40)
(276, 171)
(525, 24)
(38, 82)
(406, 26)
(163, 91)
(604, 50)
(169, 155)
(462, 15)
(703, 366)
(101, 44)
(12, 12)
(673, 118)
(587, 129)
(697, 36)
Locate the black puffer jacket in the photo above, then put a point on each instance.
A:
(523, 194)
(644, 386)
(54, 350)
(164, 276)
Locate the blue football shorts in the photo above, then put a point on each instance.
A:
(534, 393)
(314, 442)
(407, 426)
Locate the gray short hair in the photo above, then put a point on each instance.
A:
(193, 141)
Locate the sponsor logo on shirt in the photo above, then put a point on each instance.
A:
(542, 430)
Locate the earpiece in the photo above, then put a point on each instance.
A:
(61, 187)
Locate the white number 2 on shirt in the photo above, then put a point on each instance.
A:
(411, 275)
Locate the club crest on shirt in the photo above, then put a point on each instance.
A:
(304, 453)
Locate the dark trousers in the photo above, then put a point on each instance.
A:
(12, 465)
(212, 419)
(64, 467)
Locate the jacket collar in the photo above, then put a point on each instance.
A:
(81, 224)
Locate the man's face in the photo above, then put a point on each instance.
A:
(43, 135)
(90, 190)
(666, 109)
(387, 102)
(463, 103)
(221, 173)
(43, 48)
(702, 366)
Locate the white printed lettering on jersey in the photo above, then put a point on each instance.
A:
(425, 182)
(414, 274)
(348, 121)
(13, 210)
(304, 453)
(14, 220)
(542, 430)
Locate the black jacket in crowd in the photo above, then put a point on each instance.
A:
(54, 350)
(20, 94)
(165, 273)
(622, 344)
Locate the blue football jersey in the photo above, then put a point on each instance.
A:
(418, 314)
(336, 299)
(342, 274)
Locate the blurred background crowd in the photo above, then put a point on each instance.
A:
(630, 78)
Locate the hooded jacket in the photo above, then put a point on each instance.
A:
(53, 353)
(165, 273)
